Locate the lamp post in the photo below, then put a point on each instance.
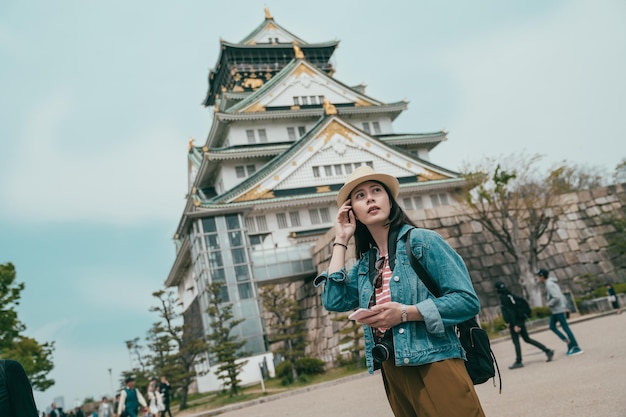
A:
(111, 379)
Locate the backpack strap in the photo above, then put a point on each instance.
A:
(419, 269)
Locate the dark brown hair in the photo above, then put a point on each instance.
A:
(363, 240)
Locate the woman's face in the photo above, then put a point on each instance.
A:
(370, 203)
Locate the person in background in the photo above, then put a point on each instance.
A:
(515, 317)
(610, 292)
(165, 389)
(130, 399)
(155, 399)
(16, 393)
(410, 333)
(558, 307)
(106, 408)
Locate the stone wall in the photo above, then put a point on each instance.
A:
(578, 249)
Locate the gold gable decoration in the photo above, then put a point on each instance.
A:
(255, 194)
(256, 107)
(267, 13)
(336, 128)
(190, 144)
(329, 109)
(297, 51)
(303, 69)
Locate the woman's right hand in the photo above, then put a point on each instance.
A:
(345, 223)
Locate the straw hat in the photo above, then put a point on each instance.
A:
(366, 173)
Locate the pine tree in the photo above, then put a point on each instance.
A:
(285, 324)
(226, 350)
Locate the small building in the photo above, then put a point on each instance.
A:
(263, 185)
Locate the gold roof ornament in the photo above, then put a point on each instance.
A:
(267, 13)
(329, 108)
(190, 144)
(297, 51)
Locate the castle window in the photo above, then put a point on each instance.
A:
(281, 219)
(262, 135)
(261, 223)
(338, 170)
(250, 134)
(366, 127)
(301, 130)
(291, 132)
(296, 101)
(376, 126)
(294, 216)
(240, 171)
(316, 172)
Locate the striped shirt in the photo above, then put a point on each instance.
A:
(383, 295)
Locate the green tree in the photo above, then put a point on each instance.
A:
(286, 326)
(225, 348)
(189, 346)
(619, 175)
(36, 358)
(516, 201)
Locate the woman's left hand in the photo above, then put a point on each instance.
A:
(390, 314)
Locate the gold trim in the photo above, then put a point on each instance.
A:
(255, 194)
(256, 107)
(361, 103)
(335, 128)
(328, 107)
(271, 25)
(267, 13)
(303, 69)
(323, 189)
(298, 51)
(205, 148)
(190, 144)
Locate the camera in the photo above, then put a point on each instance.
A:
(383, 348)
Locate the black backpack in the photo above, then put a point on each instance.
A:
(481, 363)
(521, 306)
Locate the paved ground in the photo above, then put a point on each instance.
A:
(592, 384)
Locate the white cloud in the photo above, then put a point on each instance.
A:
(137, 177)
(553, 86)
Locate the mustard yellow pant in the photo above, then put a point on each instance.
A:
(440, 389)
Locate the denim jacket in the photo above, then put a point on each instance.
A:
(415, 342)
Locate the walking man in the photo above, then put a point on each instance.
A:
(130, 399)
(165, 389)
(558, 307)
(515, 312)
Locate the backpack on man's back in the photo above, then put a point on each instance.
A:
(521, 306)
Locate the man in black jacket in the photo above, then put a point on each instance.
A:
(515, 318)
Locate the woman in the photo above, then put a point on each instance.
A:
(155, 402)
(425, 373)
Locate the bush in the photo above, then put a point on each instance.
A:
(283, 369)
(540, 312)
(310, 366)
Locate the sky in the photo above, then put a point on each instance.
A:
(98, 101)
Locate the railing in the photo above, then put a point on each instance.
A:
(282, 264)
